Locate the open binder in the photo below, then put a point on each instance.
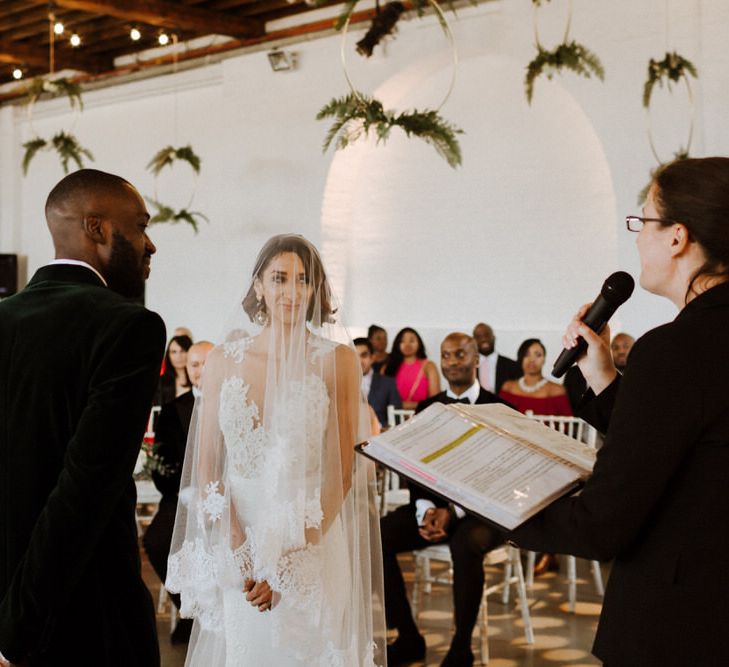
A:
(491, 460)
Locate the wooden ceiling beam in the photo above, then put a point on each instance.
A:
(22, 54)
(165, 14)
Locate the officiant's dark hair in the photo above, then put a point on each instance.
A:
(315, 275)
(695, 193)
(524, 348)
(82, 182)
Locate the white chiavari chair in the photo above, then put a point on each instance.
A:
(576, 428)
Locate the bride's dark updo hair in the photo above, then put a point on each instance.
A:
(319, 309)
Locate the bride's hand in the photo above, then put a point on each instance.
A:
(259, 594)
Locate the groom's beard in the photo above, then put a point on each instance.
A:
(125, 273)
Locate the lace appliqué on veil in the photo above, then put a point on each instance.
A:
(214, 502)
(193, 572)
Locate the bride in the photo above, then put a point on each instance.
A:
(276, 550)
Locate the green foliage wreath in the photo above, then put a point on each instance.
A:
(356, 115)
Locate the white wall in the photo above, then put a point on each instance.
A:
(519, 236)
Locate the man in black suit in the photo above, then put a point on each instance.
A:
(493, 369)
(170, 440)
(428, 519)
(380, 390)
(79, 363)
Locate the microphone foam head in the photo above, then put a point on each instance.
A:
(617, 288)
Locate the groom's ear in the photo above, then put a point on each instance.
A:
(94, 227)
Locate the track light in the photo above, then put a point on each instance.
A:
(17, 73)
(75, 40)
(163, 39)
(58, 28)
(135, 34)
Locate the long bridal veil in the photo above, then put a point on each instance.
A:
(272, 489)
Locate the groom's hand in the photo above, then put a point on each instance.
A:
(259, 594)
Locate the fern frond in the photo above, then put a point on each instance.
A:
(31, 148)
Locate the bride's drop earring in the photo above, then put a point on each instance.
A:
(261, 316)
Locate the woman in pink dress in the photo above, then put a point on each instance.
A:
(532, 392)
(416, 377)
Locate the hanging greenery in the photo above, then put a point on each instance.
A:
(681, 154)
(356, 114)
(63, 143)
(169, 154)
(166, 213)
(66, 145)
(572, 56)
(55, 87)
(671, 69)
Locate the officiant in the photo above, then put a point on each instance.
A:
(428, 519)
(658, 500)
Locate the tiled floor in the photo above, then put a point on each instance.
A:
(560, 638)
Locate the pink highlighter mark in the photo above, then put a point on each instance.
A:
(418, 471)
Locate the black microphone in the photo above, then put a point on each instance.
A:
(616, 290)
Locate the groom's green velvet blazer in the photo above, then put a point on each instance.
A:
(78, 368)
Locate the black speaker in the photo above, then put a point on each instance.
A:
(8, 275)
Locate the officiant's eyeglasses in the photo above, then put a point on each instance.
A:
(635, 223)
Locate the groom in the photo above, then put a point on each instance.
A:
(79, 363)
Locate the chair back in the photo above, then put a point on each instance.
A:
(397, 416)
(574, 427)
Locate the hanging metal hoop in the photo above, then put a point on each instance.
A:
(193, 190)
(567, 28)
(692, 112)
(446, 31)
(195, 175)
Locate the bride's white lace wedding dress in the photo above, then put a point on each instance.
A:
(254, 508)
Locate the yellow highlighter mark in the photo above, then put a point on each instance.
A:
(451, 445)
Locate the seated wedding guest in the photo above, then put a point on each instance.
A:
(378, 338)
(183, 331)
(620, 349)
(179, 331)
(493, 368)
(169, 452)
(428, 519)
(415, 375)
(574, 381)
(657, 502)
(379, 390)
(174, 380)
(532, 392)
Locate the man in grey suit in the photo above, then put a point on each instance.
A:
(79, 363)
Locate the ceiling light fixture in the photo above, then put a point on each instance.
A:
(75, 40)
(17, 73)
(58, 28)
(163, 39)
(135, 34)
